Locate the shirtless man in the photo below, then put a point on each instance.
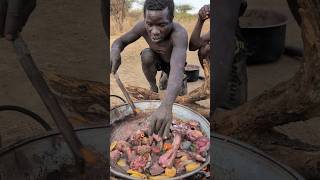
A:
(237, 83)
(167, 50)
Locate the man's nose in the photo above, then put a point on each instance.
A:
(155, 31)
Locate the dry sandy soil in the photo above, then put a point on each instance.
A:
(67, 37)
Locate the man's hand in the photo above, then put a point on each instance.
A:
(115, 59)
(160, 121)
(13, 16)
(204, 13)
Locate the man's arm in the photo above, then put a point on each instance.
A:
(197, 41)
(129, 37)
(119, 44)
(177, 63)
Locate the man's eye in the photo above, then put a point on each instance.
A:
(163, 25)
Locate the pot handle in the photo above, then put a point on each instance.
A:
(27, 112)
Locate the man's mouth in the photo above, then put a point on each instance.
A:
(155, 39)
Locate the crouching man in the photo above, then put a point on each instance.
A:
(168, 42)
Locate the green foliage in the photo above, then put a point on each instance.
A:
(183, 8)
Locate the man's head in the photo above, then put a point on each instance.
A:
(158, 16)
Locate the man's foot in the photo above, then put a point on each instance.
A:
(184, 88)
(154, 88)
(163, 82)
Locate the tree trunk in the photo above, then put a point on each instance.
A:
(288, 101)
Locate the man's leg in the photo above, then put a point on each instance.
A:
(149, 60)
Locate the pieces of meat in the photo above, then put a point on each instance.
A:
(179, 127)
(141, 150)
(125, 147)
(166, 160)
(193, 135)
(156, 149)
(197, 157)
(115, 155)
(139, 162)
(137, 138)
(202, 145)
(156, 169)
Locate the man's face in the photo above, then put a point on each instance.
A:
(158, 24)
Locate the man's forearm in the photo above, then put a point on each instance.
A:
(174, 86)
(195, 40)
(175, 78)
(118, 45)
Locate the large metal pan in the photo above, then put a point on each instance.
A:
(234, 160)
(179, 111)
(44, 155)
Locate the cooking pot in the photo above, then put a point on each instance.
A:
(265, 32)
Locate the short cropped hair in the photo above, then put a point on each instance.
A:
(159, 5)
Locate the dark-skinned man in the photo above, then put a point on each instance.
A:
(13, 16)
(168, 42)
(237, 82)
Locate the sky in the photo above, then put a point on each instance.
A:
(196, 4)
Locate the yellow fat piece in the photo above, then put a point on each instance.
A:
(192, 166)
(113, 145)
(122, 163)
(170, 172)
(136, 174)
(184, 158)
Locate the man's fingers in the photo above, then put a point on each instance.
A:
(163, 125)
(166, 131)
(158, 126)
(151, 126)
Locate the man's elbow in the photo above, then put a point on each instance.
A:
(193, 47)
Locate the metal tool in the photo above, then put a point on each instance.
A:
(48, 99)
(125, 93)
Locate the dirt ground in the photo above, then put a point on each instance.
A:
(67, 37)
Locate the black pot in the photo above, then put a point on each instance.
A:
(192, 72)
(265, 33)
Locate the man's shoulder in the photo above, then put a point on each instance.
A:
(179, 30)
(139, 27)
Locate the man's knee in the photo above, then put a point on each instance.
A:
(147, 56)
